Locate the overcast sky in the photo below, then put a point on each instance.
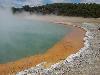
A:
(41, 2)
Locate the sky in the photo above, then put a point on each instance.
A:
(41, 2)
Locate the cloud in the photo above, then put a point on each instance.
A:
(90, 1)
(41, 2)
(33, 2)
(18, 3)
(76, 1)
(27, 2)
(87, 1)
(57, 1)
(61, 1)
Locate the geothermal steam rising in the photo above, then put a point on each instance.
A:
(24, 36)
(7, 21)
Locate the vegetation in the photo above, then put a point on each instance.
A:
(63, 9)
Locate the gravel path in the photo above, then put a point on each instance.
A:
(84, 62)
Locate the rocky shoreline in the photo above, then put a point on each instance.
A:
(84, 62)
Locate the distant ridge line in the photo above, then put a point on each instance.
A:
(91, 10)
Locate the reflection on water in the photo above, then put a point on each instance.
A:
(22, 37)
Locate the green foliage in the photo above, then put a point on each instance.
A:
(64, 9)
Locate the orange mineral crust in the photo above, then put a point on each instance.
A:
(70, 44)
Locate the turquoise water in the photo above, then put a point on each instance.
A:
(20, 38)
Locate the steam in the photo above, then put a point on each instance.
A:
(6, 24)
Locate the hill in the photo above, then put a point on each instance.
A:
(63, 9)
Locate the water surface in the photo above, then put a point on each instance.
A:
(20, 37)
